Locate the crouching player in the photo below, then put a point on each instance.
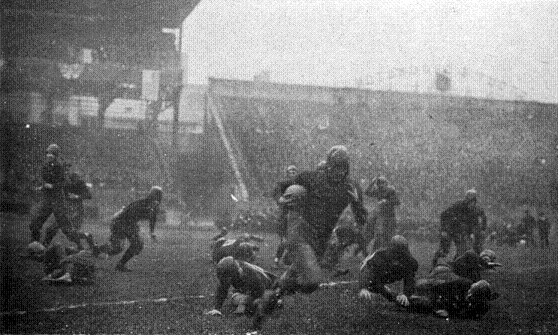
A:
(124, 225)
(387, 266)
(240, 248)
(65, 265)
(253, 295)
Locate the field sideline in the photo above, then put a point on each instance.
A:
(173, 281)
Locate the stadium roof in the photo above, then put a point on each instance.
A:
(168, 13)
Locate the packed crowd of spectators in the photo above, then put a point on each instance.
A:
(431, 155)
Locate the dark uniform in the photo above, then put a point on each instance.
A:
(53, 198)
(68, 264)
(527, 227)
(544, 230)
(470, 265)
(247, 279)
(455, 290)
(384, 215)
(76, 192)
(457, 223)
(278, 191)
(312, 221)
(386, 266)
(124, 225)
(479, 229)
(239, 248)
(77, 187)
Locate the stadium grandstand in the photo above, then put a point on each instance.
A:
(432, 146)
(104, 81)
(108, 84)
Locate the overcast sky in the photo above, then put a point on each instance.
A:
(334, 43)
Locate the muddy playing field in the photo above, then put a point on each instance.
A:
(173, 280)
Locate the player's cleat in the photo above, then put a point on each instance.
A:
(122, 268)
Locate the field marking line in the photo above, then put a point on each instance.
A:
(106, 303)
(332, 283)
(139, 301)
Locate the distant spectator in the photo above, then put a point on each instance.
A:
(544, 230)
(527, 227)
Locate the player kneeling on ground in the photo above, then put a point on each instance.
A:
(240, 248)
(124, 225)
(65, 265)
(253, 295)
(387, 266)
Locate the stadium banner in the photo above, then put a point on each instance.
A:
(150, 84)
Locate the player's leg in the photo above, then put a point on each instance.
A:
(50, 233)
(43, 211)
(136, 246)
(304, 274)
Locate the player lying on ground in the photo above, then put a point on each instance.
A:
(470, 265)
(240, 248)
(446, 294)
(67, 265)
(124, 225)
(386, 266)
(253, 295)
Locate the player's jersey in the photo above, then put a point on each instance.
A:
(78, 187)
(459, 219)
(244, 277)
(469, 265)
(388, 194)
(232, 247)
(386, 266)
(325, 202)
(129, 216)
(53, 173)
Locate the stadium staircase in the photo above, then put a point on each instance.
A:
(234, 155)
(248, 177)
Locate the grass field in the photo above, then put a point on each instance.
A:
(178, 268)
